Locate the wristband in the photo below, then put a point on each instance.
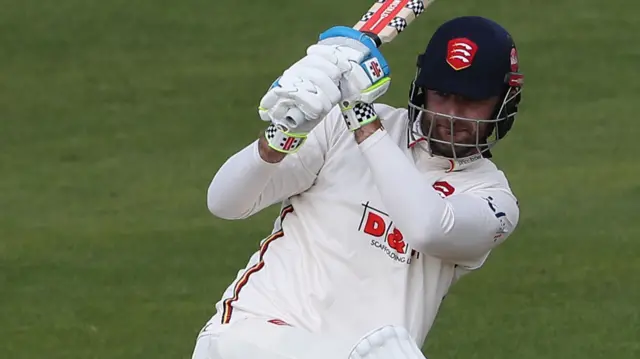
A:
(358, 115)
(284, 142)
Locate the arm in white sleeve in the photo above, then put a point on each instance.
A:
(246, 184)
(461, 228)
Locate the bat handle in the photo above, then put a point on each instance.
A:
(293, 119)
(376, 39)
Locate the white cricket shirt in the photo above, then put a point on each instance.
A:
(369, 235)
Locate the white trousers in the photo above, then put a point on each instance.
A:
(257, 338)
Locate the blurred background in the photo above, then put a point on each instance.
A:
(116, 114)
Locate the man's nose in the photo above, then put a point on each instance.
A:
(451, 108)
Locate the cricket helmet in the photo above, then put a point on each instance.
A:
(474, 57)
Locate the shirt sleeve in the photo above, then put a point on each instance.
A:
(462, 228)
(246, 184)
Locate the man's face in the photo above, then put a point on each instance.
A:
(447, 129)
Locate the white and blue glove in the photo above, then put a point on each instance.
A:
(310, 85)
(344, 67)
(366, 80)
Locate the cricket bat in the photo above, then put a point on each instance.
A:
(382, 23)
(387, 18)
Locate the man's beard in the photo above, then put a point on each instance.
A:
(447, 150)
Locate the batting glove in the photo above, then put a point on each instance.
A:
(366, 74)
(309, 86)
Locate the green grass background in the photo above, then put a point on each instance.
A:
(113, 116)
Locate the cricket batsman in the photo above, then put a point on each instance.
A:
(383, 208)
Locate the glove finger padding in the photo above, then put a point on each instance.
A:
(329, 68)
(312, 92)
(342, 56)
(311, 85)
(267, 105)
(273, 106)
(314, 80)
(364, 77)
(314, 104)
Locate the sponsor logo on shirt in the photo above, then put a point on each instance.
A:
(501, 216)
(385, 236)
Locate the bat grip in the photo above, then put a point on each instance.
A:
(293, 118)
(376, 39)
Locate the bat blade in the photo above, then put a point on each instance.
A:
(387, 18)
